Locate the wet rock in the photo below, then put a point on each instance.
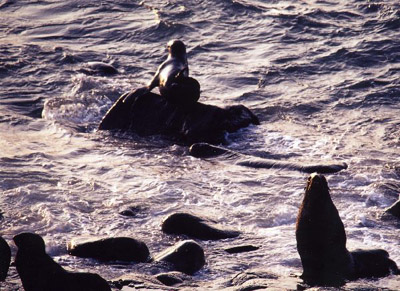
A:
(241, 249)
(186, 256)
(133, 211)
(172, 278)
(394, 209)
(139, 281)
(194, 227)
(5, 258)
(110, 249)
(252, 280)
(151, 114)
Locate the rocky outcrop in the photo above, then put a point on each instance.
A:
(151, 114)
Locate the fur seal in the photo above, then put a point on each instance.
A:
(172, 78)
(5, 258)
(38, 271)
(321, 242)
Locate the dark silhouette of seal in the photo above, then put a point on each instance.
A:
(5, 258)
(186, 257)
(194, 227)
(110, 249)
(321, 242)
(38, 271)
(206, 150)
(172, 78)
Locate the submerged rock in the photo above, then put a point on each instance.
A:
(5, 258)
(151, 114)
(241, 249)
(139, 281)
(172, 278)
(186, 256)
(110, 249)
(194, 227)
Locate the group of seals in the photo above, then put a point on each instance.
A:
(321, 242)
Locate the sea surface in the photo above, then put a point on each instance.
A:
(322, 76)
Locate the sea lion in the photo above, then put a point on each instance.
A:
(5, 258)
(172, 78)
(321, 242)
(38, 271)
(321, 238)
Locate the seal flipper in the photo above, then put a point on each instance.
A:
(133, 95)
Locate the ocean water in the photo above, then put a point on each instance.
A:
(322, 76)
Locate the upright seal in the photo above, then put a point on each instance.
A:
(321, 242)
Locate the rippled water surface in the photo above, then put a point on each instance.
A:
(322, 76)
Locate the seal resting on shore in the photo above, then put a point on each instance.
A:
(321, 242)
(172, 78)
(5, 258)
(38, 271)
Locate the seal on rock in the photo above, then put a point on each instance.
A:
(321, 242)
(172, 78)
(5, 258)
(194, 227)
(110, 249)
(38, 271)
(186, 256)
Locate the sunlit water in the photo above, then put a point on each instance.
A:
(322, 76)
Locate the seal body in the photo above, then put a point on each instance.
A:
(321, 243)
(321, 238)
(5, 258)
(172, 77)
(38, 271)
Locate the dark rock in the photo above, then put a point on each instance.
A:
(186, 256)
(98, 68)
(139, 281)
(110, 249)
(394, 209)
(372, 263)
(172, 278)
(241, 249)
(252, 280)
(38, 271)
(5, 258)
(151, 114)
(194, 227)
(132, 211)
